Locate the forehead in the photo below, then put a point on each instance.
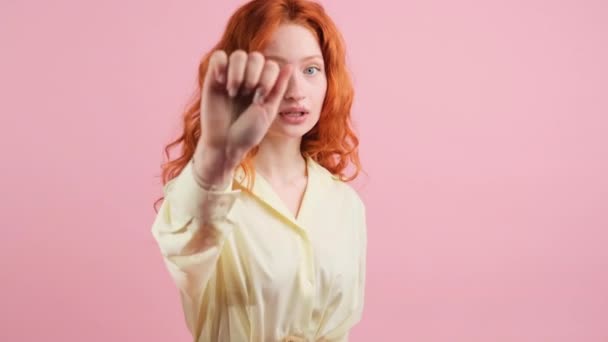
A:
(292, 42)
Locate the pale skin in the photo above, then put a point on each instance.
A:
(242, 96)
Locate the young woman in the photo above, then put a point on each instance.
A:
(258, 227)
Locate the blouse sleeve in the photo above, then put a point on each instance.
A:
(190, 229)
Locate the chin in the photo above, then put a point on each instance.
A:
(286, 131)
(289, 133)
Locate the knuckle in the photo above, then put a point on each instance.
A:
(218, 58)
(218, 55)
(238, 55)
(256, 57)
(271, 65)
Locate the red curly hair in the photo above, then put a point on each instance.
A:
(331, 142)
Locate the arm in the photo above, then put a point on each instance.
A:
(190, 229)
(193, 222)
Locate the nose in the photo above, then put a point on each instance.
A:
(294, 90)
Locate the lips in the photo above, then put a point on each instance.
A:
(293, 111)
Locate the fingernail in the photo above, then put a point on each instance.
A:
(258, 96)
(232, 92)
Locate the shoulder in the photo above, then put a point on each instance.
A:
(337, 189)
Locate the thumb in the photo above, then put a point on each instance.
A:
(272, 101)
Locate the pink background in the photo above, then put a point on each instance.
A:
(484, 130)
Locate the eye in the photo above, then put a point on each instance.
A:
(310, 70)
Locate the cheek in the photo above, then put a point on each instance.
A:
(319, 94)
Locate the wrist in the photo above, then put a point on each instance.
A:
(209, 170)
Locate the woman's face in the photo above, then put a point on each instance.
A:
(296, 45)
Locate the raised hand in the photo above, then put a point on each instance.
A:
(240, 99)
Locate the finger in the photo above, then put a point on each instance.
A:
(213, 121)
(216, 70)
(236, 71)
(274, 98)
(253, 124)
(268, 78)
(255, 65)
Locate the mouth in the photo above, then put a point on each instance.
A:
(293, 114)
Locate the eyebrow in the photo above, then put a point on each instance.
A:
(283, 60)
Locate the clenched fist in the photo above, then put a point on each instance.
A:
(240, 99)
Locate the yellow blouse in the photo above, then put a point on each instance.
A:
(248, 270)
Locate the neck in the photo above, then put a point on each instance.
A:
(280, 159)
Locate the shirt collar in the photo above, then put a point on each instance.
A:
(263, 191)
